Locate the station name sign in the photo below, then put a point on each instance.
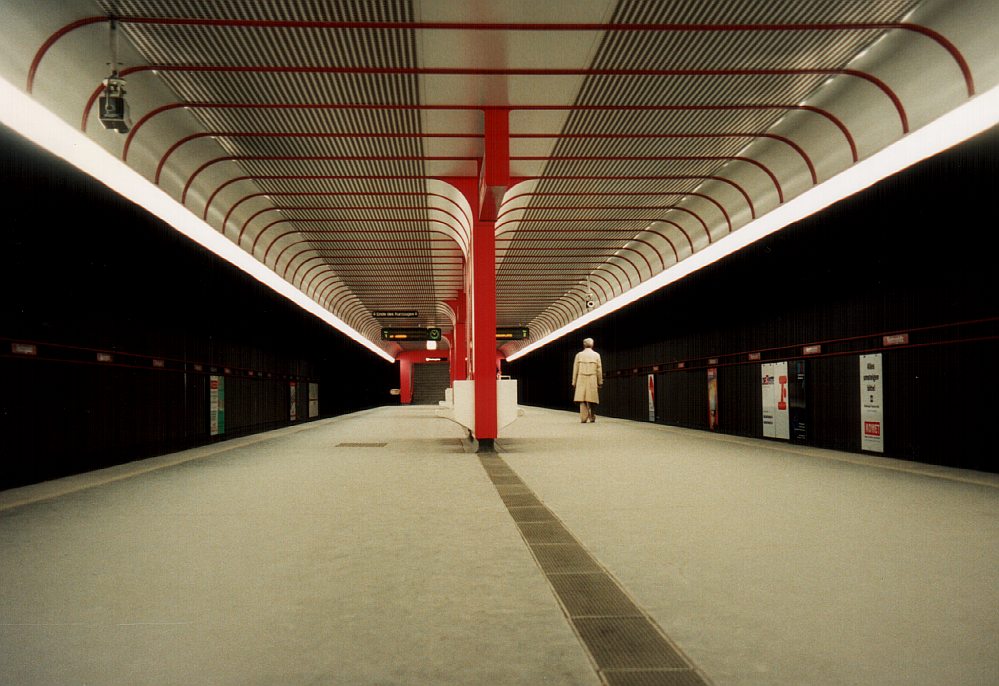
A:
(411, 334)
(395, 314)
(517, 333)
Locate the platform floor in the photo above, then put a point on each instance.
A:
(314, 555)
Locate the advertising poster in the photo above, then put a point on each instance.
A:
(871, 410)
(293, 396)
(713, 398)
(216, 405)
(313, 400)
(776, 415)
(799, 406)
(652, 397)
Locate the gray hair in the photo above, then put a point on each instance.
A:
(587, 342)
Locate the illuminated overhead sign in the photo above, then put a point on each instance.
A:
(411, 334)
(517, 333)
(395, 314)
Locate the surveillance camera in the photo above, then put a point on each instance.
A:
(113, 110)
(590, 304)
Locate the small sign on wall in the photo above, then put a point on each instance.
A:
(776, 414)
(313, 400)
(293, 395)
(871, 409)
(652, 397)
(216, 405)
(713, 398)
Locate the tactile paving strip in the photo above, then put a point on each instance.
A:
(627, 647)
(652, 677)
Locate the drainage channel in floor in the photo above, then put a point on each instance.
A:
(625, 645)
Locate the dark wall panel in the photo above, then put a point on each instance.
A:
(894, 258)
(86, 271)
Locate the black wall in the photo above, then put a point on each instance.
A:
(917, 250)
(86, 271)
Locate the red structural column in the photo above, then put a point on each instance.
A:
(405, 379)
(458, 340)
(494, 179)
(484, 331)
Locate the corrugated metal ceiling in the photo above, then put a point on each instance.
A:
(645, 135)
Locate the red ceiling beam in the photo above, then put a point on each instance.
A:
(362, 134)
(512, 252)
(296, 177)
(519, 240)
(671, 136)
(450, 239)
(367, 233)
(321, 158)
(334, 262)
(324, 194)
(720, 179)
(596, 264)
(927, 32)
(532, 284)
(328, 208)
(731, 107)
(313, 177)
(668, 208)
(457, 71)
(667, 158)
(297, 134)
(549, 273)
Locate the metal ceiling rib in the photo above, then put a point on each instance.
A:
(315, 134)
(312, 249)
(581, 211)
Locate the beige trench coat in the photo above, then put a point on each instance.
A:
(587, 376)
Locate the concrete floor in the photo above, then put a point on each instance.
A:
(284, 559)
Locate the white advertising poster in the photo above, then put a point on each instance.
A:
(293, 396)
(776, 411)
(313, 400)
(652, 397)
(871, 411)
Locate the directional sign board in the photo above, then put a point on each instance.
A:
(517, 333)
(395, 314)
(411, 334)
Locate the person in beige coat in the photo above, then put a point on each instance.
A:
(587, 378)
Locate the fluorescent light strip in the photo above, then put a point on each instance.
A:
(971, 118)
(30, 119)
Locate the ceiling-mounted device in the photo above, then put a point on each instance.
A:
(112, 108)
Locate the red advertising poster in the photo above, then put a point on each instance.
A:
(652, 397)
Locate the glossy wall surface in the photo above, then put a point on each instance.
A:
(78, 282)
(875, 264)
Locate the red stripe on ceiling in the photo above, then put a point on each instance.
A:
(483, 108)
(430, 71)
(560, 27)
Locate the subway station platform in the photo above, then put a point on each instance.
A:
(373, 548)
